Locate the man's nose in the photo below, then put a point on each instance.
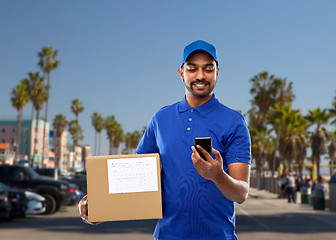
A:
(200, 74)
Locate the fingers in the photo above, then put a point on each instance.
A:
(195, 155)
(83, 206)
(205, 153)
(83, 211)
(200, 164)
(209, 169)
(217, 155)
(91, 223)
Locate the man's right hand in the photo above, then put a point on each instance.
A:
(83, 211)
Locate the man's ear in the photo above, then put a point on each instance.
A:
(180, 71)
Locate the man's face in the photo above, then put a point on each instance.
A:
(199, 74)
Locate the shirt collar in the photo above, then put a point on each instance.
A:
(203, 109)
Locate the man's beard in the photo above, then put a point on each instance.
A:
(206, 94)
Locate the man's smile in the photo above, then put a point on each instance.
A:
(200, 84)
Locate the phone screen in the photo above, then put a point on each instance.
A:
(205, 143)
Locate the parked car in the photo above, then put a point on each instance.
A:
(55, 192)
(77, 194)
(5, 205)
(36, 203)
(48, 172)
(56, 174)
(80, 180)
(18, 200)
(64, 173)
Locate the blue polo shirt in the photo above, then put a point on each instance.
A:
(193, 207)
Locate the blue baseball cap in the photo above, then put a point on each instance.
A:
(196, 46)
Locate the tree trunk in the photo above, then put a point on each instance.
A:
(285, 167)
(18, 131)
(57, 160)
(332, 150)
(260, 178)
(95, 143)
(99, 151)
(32, 114)
(57, 153)
(300, 171)
(318, 168)
(276, 153)
(35, 138)
(111, 145)
(75, 155)
(32, 128)
(45, 123)
(290, 165)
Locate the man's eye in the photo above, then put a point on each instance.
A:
(192, 69)
(209, 70)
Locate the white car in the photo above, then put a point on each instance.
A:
(36, 203)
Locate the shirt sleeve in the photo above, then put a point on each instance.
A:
(148, 141)
(238, 144)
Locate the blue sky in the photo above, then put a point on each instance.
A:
(121, 57)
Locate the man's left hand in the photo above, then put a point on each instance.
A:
(210, 169)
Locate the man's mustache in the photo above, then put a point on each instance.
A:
(200, 81)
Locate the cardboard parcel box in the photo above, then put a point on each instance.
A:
(124, 187)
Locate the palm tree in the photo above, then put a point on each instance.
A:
(332, 151)
(98, 124)
(290, 127)
(76, 132)
(60, 124)
(283, 92)
(262, 93)
(267, 92)
(293, 135)
(38, 95)
(74, 128)
(128, 140)
(136, 137)
(118, 137)
(301, 152)
(318, 138)
(111, 126)
(318, 117)
(77, 107)
(132, 141)
(332, 146)
(143, 130)
(19, 99)
(261, 142)
(332, 111)
(47, 63)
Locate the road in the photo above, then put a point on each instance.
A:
(261, 217)
(67, 225)
(265, 217)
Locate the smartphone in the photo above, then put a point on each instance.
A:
(205, 143)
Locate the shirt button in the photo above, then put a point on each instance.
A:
(188, 128)
(192, 110)
(190, 119)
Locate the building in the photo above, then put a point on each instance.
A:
(75, 158)
(31, 139)
(6, 153)
(85, 153)
(56, 153)
(59, 148)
